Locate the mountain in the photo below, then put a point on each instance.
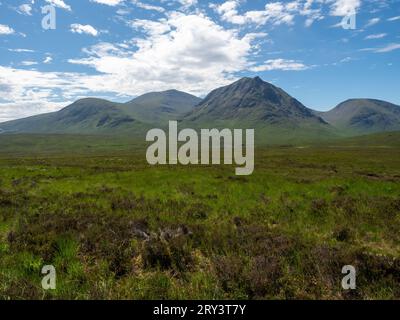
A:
(254, 103)
(363, 116)
(160, 107)
(253, 100)
(247, 103)
(88, 116)
(92, 116)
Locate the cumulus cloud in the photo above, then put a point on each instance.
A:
(12, 110)
(150, 27)
(6, 30)
(84, 29)
(186, 52)
(343, 8)
(28, 92)
(183, 51)
(59, 4)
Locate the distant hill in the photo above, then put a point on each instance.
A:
(363, 116)
(98, 116)
(247, 103)
(160, 107)
(85, 116)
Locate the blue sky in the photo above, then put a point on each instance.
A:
(118, 49)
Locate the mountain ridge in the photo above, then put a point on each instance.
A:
(247, 102)
(252, 99)
(363, 116)
(94, 115)
(159, 107)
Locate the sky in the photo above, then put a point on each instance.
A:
(119, 49)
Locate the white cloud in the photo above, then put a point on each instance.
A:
(394, 18)
(6, 30)
(151, 27)
(108, 2)
(47, 60)
(312, 14)
(187, 3)
(194, 54)
(28, 92)
(28, 63)
(25, 9)
(388, 48)
(146, 6)
(186, 52)
(123, 11)
(342, 8)
(372, 22)
(11, 111)
(276, 13)
(84, 29)
(346, 60)
(375, 36)
(21, 50)
(59, 4)
(280, 64)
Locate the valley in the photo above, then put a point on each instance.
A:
(115, 227)
(77, 193)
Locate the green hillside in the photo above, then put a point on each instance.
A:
(363, 116)
(249, 103)
(160, 107)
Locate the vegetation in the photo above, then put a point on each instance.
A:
(247, 103)
(116, 228)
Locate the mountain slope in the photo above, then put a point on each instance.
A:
(362, 116)
(248, 103)
(253, 100)
(84, 116)
(160, 107)
(253, 103)
(93, 116)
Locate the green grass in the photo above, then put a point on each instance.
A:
(117, 228)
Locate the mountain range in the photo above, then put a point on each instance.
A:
(246, 103)
(363, 116)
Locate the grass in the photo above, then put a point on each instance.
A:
(116, 228)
